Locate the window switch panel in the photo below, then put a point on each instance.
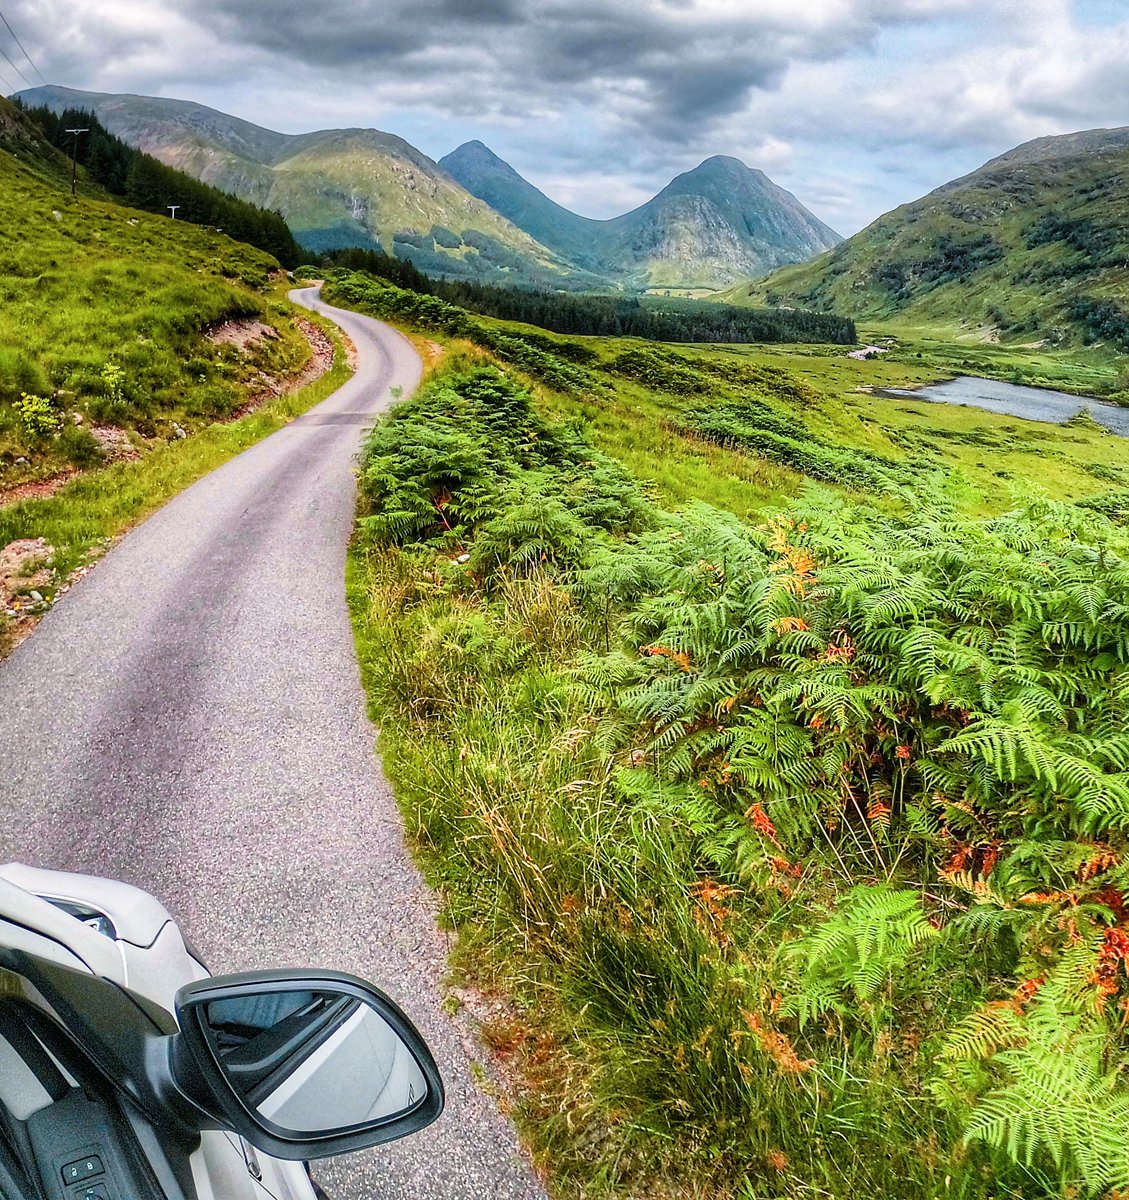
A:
(82, 1168)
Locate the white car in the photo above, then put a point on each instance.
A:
(127, 1072)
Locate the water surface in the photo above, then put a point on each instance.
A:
(1015, 400)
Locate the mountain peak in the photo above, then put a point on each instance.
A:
(723, 162)
(717, 223)
(721, 174)
(475, 156)
(474, 146)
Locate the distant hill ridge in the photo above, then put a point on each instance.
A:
(1031, 246)
(470, 215)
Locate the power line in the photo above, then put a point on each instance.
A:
(15, 68)
(21, 46)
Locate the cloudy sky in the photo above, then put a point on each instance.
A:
(855, 105)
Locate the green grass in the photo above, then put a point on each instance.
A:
(986, 457)
(103, 311)
(641, 414)
(756, 802)
(756, 829)
(81, 519)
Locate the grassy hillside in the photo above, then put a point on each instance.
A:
(102, 317)
(338, 187)
(137, 179)
(786, 853)
(470, 216)
(1033, 247)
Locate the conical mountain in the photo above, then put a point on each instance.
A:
(720, 222)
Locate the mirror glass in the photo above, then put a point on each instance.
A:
(311, 1061)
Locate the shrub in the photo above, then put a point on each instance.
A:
(20, 373)
(797, 836)
(468, 452)
(39, 415)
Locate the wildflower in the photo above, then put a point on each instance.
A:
(903, 751)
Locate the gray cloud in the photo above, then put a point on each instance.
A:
(855, 105)
(663, 66)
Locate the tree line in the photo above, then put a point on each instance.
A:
(660, 319)
(144, 182)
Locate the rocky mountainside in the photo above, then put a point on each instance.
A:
(1032, 246)
(471, 215)
(709, 227)
(335, 187)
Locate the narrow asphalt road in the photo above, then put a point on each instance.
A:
(190, 719)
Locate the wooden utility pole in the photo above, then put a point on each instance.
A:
(74, 159)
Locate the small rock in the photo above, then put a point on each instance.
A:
(463, 558)
(21, 461)
(36, 596)
(76, 418)
(56, 214)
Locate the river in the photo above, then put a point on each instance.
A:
(1034, 404)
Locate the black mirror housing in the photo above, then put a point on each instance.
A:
(303, 1063)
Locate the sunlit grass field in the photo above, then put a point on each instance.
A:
(987, 458)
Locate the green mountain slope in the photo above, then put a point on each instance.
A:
(338, 187)
(708, 227)
(471, 215)
(103, 319)
(1034, 245)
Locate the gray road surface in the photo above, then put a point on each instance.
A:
(190, 719)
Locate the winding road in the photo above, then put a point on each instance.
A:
(190, 719)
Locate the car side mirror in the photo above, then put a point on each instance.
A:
(303, 1064)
